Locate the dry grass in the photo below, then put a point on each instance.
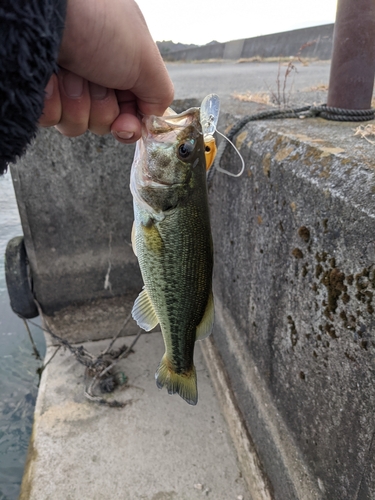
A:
(284, 61)
(199, 61)
(257, 97)
(207, 61)
(261, 59)
(366, 131)
(321, 87)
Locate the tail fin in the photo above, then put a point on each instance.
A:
(185, 384)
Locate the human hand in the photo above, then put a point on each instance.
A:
(110, 70)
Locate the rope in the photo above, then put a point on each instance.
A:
(322, 111)
(267, 115)
(342, 115)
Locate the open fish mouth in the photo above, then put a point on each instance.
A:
(169, 123)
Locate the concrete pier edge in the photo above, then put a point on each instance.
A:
(252, 471)
(292, 354)
(294, 289)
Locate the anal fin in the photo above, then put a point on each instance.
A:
(205, 326)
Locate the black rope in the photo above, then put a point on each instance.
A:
(267, 115)
(340, 114)
(322, 111)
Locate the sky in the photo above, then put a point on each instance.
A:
(201, 21)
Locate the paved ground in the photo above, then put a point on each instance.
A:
(225, 79)
(156, 448)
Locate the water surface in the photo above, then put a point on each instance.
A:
(18, 377)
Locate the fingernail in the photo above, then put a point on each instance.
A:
(125, 135)
(98, 92)
(73, 85)
(49, 89)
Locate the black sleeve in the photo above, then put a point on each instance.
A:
(30, 36)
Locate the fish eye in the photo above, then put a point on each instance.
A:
(184, 150)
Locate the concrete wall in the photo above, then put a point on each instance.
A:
(283, 44)
(77, 213)
(294, 287)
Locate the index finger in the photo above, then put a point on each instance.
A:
(154, 88)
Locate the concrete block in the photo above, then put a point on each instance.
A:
(294, 285)
(76, 212)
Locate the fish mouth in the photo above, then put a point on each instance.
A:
(157, 125)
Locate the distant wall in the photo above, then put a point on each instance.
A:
(283, 44)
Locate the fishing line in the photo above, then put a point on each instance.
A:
(209, 113)
(220, 154)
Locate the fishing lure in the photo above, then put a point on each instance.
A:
(209, 116)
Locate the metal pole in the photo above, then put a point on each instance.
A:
(353, 60)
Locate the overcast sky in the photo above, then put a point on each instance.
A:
(201, 21)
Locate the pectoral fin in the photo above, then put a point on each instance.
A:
(133, 239)
(205, 326)
(143, 312)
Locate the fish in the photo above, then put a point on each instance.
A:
(171, 238)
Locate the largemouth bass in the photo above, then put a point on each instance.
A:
(172, 239)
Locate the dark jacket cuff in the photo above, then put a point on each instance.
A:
(30, 37)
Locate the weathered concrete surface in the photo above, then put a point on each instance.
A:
(96, 319)
(294, 286)
(76, 212)
(157, 447)
(259, 486)
(317, 42)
